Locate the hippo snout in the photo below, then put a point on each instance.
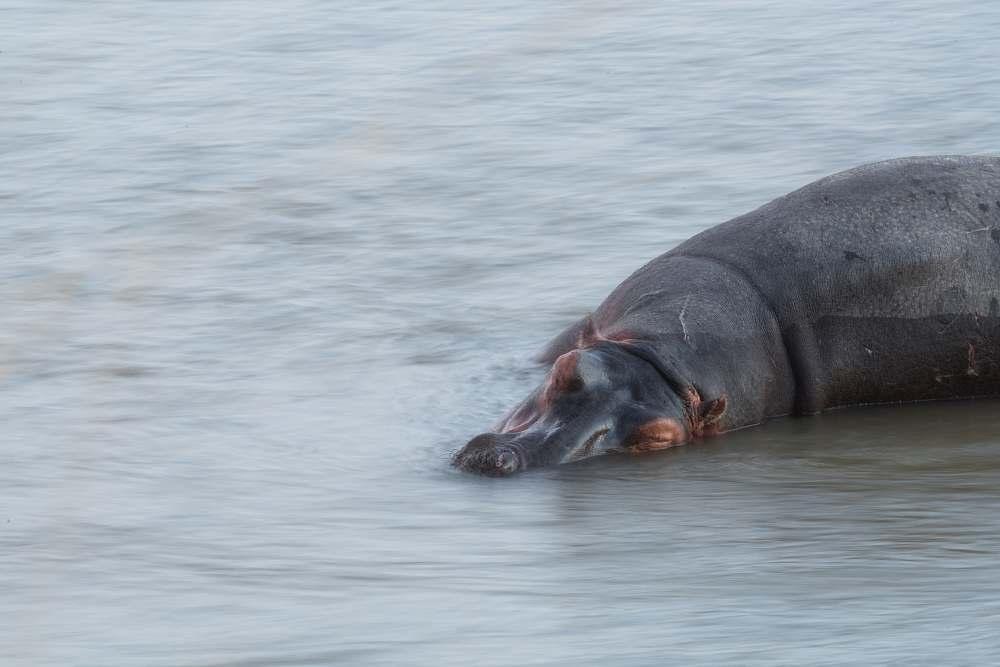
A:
(491, 454)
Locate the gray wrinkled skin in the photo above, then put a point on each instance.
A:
(879, 284)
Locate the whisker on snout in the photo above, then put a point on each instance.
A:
(487, 454)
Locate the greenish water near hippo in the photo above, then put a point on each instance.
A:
(266, 267)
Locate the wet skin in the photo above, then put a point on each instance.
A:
(880, 284)
(611, 397)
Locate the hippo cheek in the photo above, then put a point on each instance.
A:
(654, 435)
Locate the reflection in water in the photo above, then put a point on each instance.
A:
(266, 268)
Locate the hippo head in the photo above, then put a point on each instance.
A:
(611, 397)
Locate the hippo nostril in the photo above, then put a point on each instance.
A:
(507, 461)
(487, 457)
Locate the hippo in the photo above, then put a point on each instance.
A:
(875, 285)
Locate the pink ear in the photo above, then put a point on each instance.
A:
(703, 416)
(563, 376)
(712, 411)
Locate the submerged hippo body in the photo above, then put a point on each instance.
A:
(875, 285)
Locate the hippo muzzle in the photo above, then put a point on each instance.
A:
(492, 454)
(594, 401)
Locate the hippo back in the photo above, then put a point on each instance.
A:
(884, 279)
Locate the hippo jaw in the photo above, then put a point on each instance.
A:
(503, 454)
(594, 401)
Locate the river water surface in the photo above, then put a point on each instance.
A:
(265, 266)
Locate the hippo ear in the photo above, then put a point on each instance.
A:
(703, 416)
(712, 411)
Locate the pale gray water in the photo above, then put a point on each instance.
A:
(266, 265)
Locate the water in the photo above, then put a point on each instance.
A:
(265, 267)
